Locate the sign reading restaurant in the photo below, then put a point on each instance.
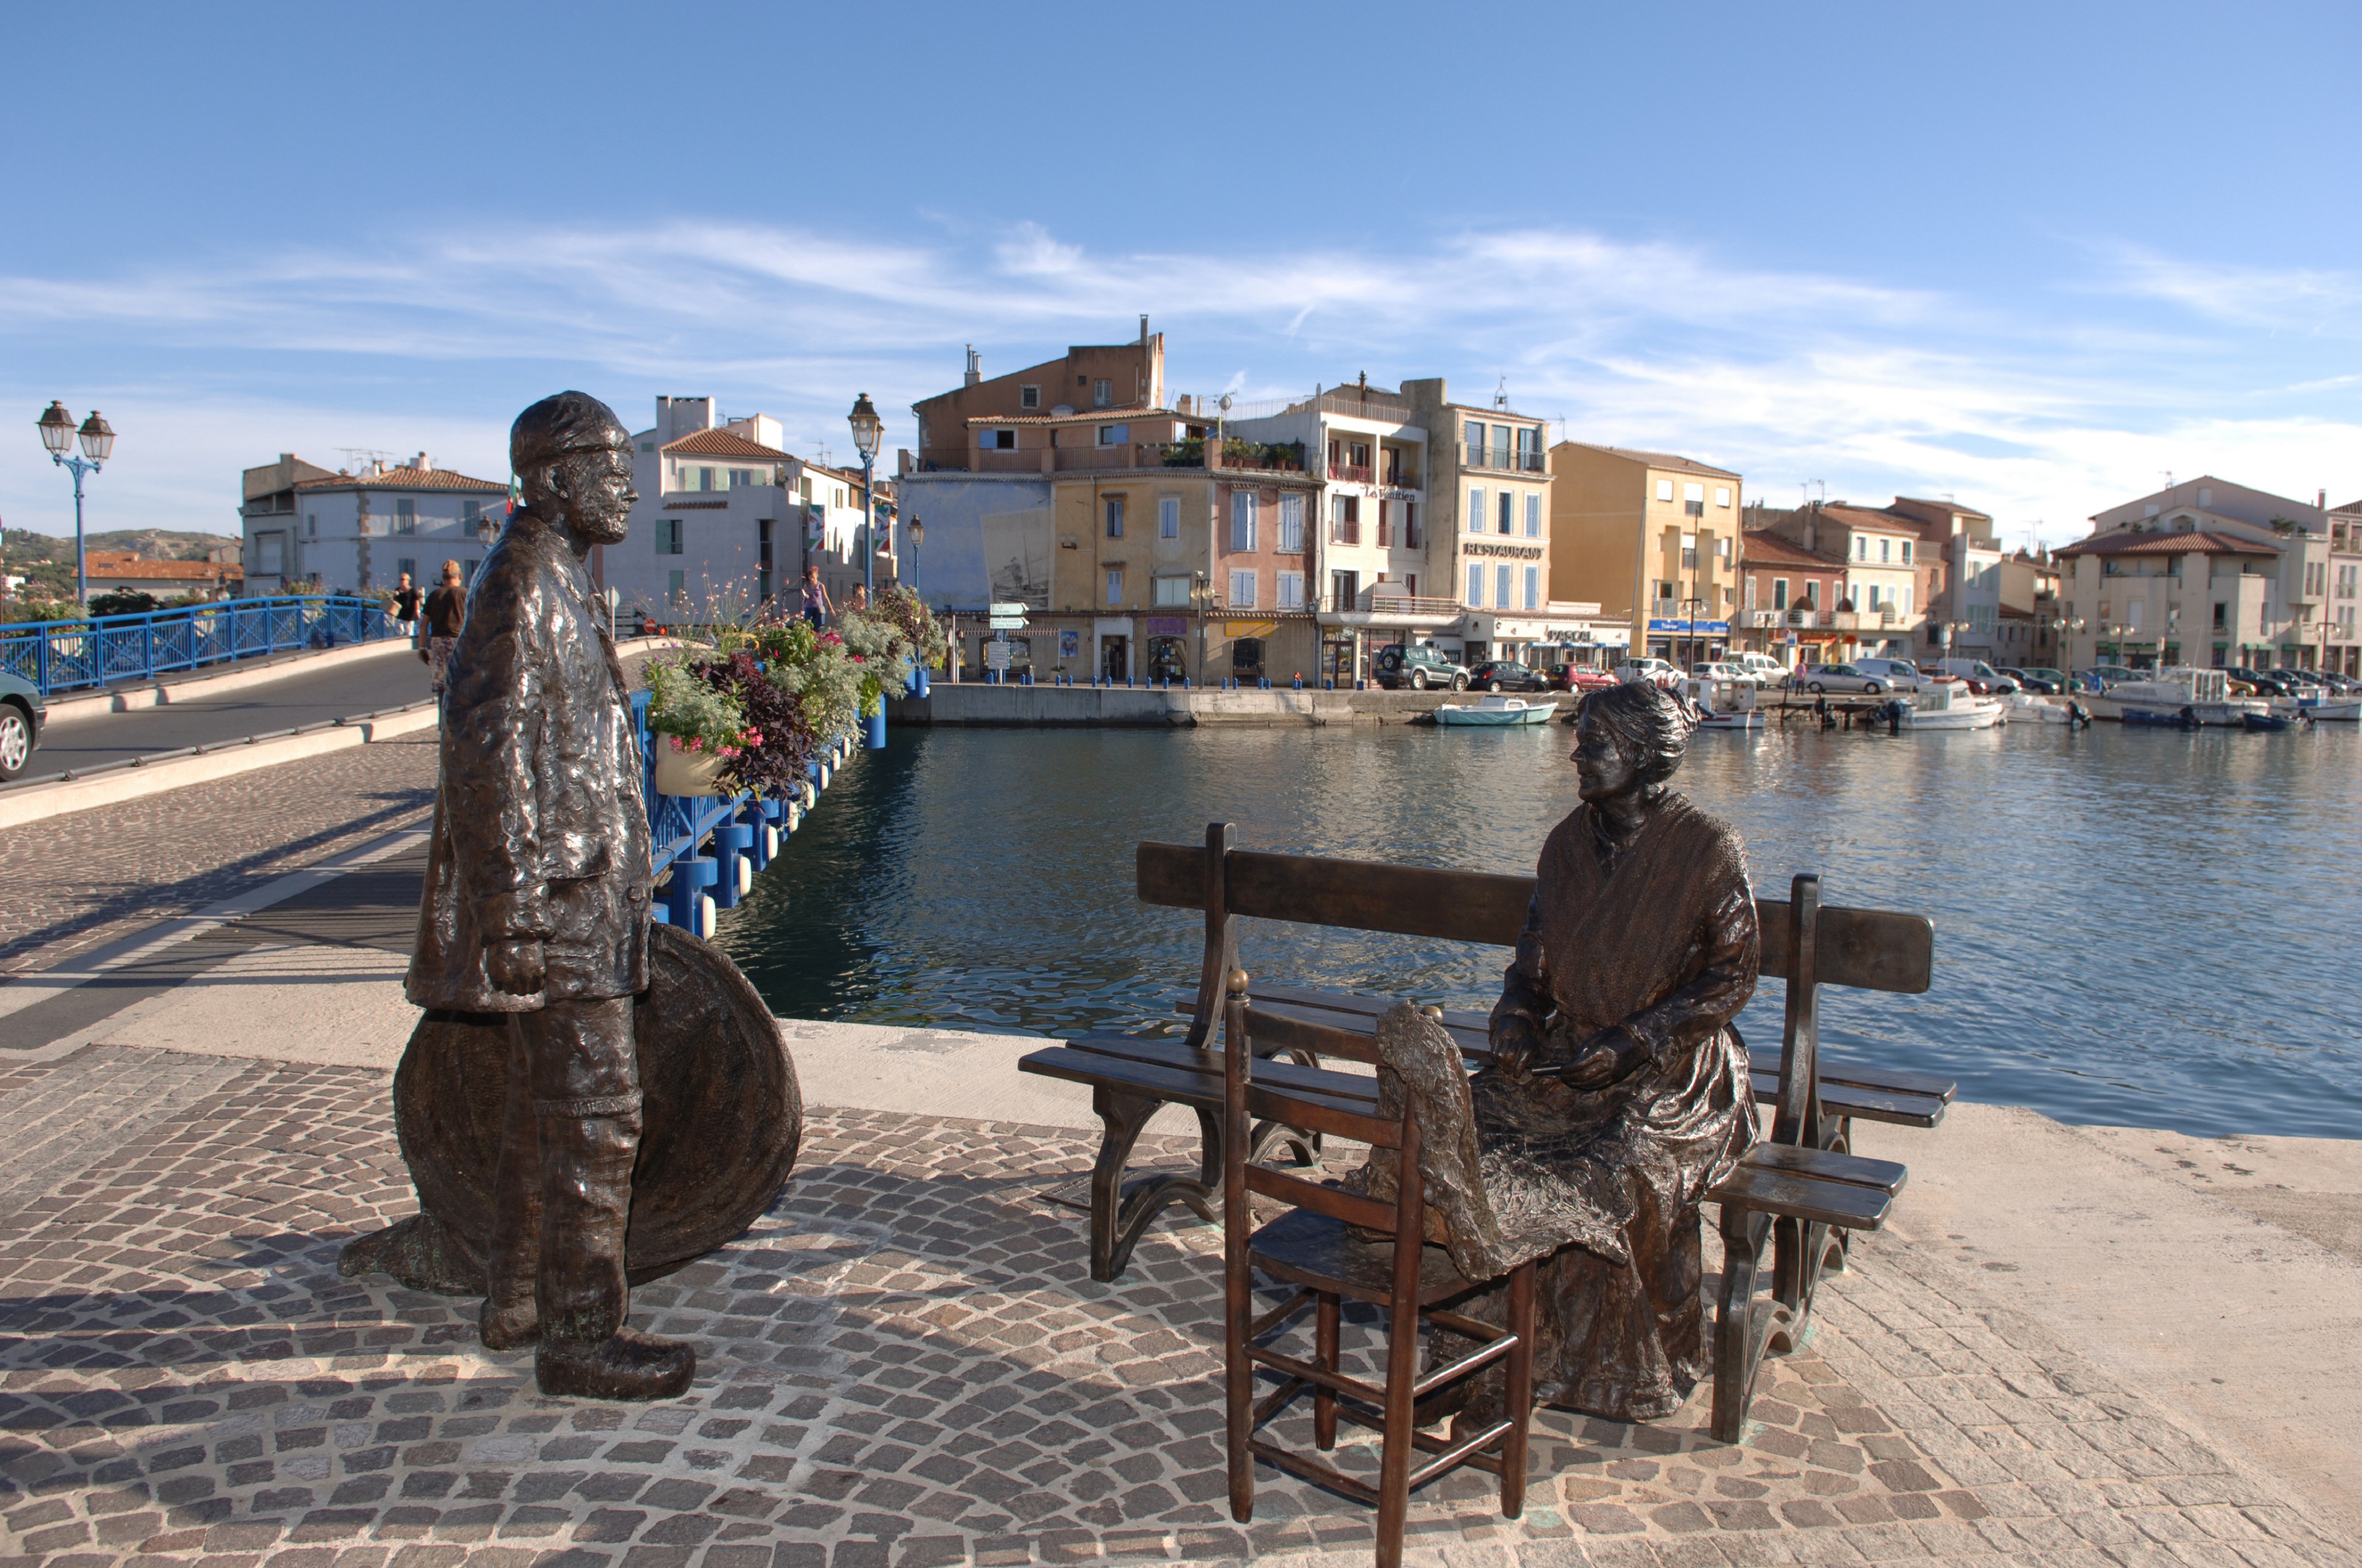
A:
(1514, 552)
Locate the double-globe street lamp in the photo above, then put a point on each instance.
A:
(867, 431)
(97, 436)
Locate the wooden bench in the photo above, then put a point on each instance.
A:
(1800, 1189)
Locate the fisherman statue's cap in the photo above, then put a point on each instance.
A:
(562, 426)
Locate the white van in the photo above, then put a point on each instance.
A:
(1899, 674)
(1994, 681)
(1763, 667)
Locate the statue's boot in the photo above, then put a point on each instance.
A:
(581, 1291)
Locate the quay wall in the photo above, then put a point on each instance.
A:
(975, 704)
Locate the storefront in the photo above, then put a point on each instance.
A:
(1685, 642)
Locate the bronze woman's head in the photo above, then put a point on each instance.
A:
(1630, 738)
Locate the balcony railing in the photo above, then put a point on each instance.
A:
(1475, 457)
(1381, 603)
(1254, 456)
(1350, 473)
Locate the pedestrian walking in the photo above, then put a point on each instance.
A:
(405, 606)
(816, 607)
(446, 612)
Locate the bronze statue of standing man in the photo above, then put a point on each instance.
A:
(536, 906)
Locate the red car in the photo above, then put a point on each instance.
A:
(1578, 677)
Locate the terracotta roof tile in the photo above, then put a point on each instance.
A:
(2196, 542)
(725, 444)
(1759, 546)
(1666, 460)
(404, 478)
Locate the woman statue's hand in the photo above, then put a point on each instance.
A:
(1608, 1057)
(1515, 1039)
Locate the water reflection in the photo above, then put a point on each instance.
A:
(2132, 926)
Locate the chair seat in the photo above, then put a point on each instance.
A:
(1310, 1248)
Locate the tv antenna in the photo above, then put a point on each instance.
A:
(1501, 395)
(361, 458)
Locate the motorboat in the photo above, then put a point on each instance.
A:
(1722, 703)
(1948, 705)
(2330, 707)
(2183, 697)
(2279, 716)
(2024, 707)
(1495, 713)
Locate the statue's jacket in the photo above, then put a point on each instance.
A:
(540, 825)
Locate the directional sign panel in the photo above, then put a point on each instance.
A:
(1007, 623)
(1017, 609)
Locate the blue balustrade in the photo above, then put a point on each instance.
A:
(69, 656)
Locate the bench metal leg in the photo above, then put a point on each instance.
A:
(1742, 1322)
(1121, 1213)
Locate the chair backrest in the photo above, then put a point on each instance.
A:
(1246, 1102)
(1875, 950)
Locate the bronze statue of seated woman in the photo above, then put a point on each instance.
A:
(1618, 1091)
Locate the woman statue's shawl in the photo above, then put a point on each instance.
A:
(1658, 935)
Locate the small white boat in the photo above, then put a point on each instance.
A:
(1949, 705)
(1723, 704)
(1495, 712)
(2331, 709)
(2025, 708)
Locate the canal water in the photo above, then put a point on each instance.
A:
(2138, 927)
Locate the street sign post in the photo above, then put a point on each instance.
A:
(1008, 617)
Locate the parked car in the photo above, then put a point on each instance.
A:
(2271, 682)
(1578, 677)
(1506, 675)
(22, 714)
(1767, 671)
(2100, 677)
(1841, 678)
(1982, 678)
(1722, 669)
(1654, 670)
(1898, 674)
(2046, 682)
(1418, 666)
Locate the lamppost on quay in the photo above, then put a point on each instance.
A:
(58, 433)
(1201, 599)
(2066, 627)
(918, 532)
(867, 431)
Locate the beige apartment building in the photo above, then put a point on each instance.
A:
(1882, 612)
(1488, 543)
(1653, 539)
(1088, 380)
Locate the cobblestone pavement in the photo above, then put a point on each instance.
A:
(71, 882)
(904, 1366)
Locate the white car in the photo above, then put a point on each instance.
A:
(1821, 679)
(1649, 671)
(1767, 671)
(1724, 670)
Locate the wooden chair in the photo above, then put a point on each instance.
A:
(1311, 1249)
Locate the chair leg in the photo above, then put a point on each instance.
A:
(1738, 1327)
(1397, 1453)
(1327, 1310)
(1521, 1401)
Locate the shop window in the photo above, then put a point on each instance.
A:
(1246, 658)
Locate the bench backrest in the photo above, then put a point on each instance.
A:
(1875, 950)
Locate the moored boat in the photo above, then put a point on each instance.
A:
(1949, 705)
(2181, 697)
(1495, 712)
(1723, 704)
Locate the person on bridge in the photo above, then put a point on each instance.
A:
(447, 612)
(405, 606)
(537, 905)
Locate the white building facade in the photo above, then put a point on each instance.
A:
(358, 533)
(727, 520)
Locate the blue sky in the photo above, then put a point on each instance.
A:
(2036, 256)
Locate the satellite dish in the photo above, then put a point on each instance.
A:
(1226, 402)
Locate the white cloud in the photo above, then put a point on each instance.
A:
(1785, 374)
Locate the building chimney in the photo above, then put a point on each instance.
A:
(2320, 500)
(975, 367)
(1143, 329)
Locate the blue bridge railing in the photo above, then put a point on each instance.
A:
(69, 656)
(712, 846)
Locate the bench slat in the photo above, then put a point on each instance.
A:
(1862, 1104)
(1306, 1108)
(1186, 1057)
(1360, 895)
(1854, 1170)
(1876, 950)
(1836, 1203)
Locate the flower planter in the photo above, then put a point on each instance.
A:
(687, 773)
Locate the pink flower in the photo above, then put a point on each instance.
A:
(754, 737)
(859, 659)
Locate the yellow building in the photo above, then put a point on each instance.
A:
(1651, 539)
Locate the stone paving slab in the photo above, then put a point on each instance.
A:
(904, 1366)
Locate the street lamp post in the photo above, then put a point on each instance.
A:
(58, 433)
(1201, 594)
(918, 532)
(867, 430)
